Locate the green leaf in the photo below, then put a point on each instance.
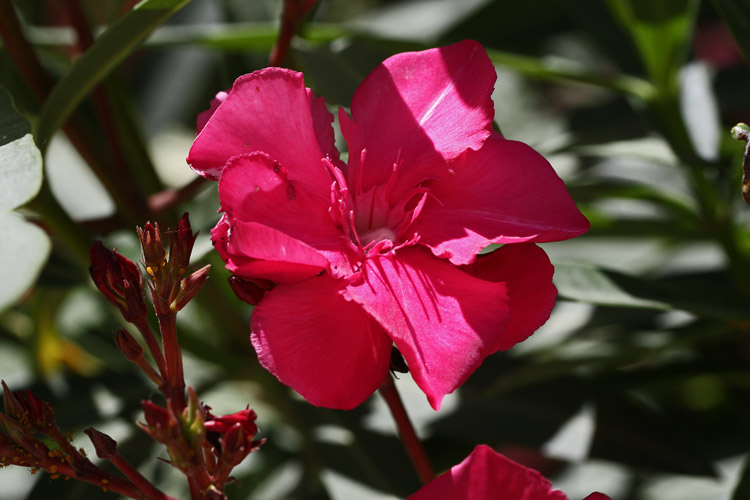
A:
(24, 247)
(109, 50)
(736, 14)
(631, 432)
(742, 491)
(585, 283)
(661, 32)
(13, 125)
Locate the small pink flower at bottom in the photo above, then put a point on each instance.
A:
(384, 249)
(488, 475)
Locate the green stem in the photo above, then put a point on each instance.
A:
(406, 430)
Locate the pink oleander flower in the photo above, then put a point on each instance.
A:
(384, 249)
(486, 474)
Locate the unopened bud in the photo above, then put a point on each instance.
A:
(249, 291)
(41, 414)
(181, 242)
(193, 421)
(154, 255)
(156, 416)
(105, 446)
(14, 407)
(189, 287)
(119, 280)
(128, 345)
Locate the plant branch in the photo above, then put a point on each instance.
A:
(406, 430)
(291, 18)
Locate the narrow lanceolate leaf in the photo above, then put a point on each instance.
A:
(109, 50)
(736, 14)
(585, 283)
(660, 31)
(24, 247)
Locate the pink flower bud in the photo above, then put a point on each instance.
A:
(158, 421)
(189, 287)
(119, 280)
(181, 243)
(128, 345)
(154, 255)
(14, 408)
(105, 446)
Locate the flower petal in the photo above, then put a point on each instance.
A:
(326, 348)
(527, 272)
(488, 474)
(271, 111)
(444, 321)
(419, 109)
(255, 190)
(504, 193)
(204, 116)
(250, 250)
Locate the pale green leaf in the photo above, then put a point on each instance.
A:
(24, 248)
(20, 172)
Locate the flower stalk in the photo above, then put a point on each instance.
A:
(291, 18)
(413, 445)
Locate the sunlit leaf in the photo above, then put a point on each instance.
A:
(24, 247)
(585, 283)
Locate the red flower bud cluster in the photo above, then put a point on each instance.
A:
(30, 437)
(202, 445)
(232, 435)
(170, 287)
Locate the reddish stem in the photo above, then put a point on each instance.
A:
(175, 390)
(153, 346)
(291, 18)
(406, 430)
(100, 478)
(133, 201)
(169, 198)
(22, 53)
(149, 490)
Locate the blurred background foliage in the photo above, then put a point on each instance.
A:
(638, 386)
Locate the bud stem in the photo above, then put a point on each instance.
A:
(406, 430)
(175, 390)
(135, 477)
(153, 346)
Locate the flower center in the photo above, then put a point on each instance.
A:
(379, 234)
